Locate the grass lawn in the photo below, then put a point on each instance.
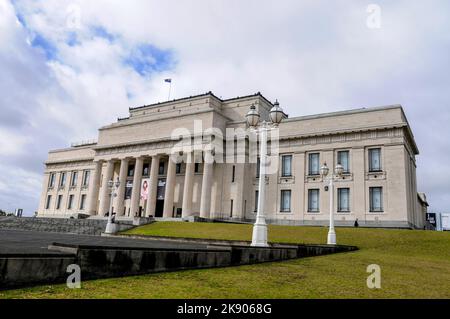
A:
(414, 264)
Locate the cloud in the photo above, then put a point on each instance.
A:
(69, 67)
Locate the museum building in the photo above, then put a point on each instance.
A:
(133, 159)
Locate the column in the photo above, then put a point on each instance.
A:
(94, 187)
(153, 187)
(120, 199)
(136, 193)
(188, 186)
(205, 201)
(170, 188)
(104, 197)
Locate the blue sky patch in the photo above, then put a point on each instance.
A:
(146, 59)
(72, 39)
(101, 32)
(46, 46)
(21, 19)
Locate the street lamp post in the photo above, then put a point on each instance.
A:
(110, 226)
(259, 237)
(324, 170)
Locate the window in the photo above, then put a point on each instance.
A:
(343, 199)
(375, 160)
(51, 181)
(233, 173)
(70, 204)
(146, 169)
(258, 166)
(178, 168)
(86, 175)
(256, 200)
(343, 159)
(286, 165)
(285, 204)
(314, 164)
(161, 189)
(197, 167)
(231, 209)
(161, 168)
(58, 202)
(82, 201)
(376, 199)
(62, 180)
(73, 181)
(130, 172)
(128, 189)
(313, 200)
(49, 201)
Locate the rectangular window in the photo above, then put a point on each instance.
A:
(233, 173)
(130, 172)
(74, 177)
(70, 204)
(146, 169)
(58, 202)
(376, 199)
(285, 204)
(178, 168)
(62, 180)
(197, 167)
(161, 189)
(375, 160)
(86, 176)
(256, 200)
(161, 168)
(343, 159)
(313, 200)
(286, 165)
(51, 180)
(343, 200)
(314, 164)
(49, 202)
(258, 167)
(231, 209)
(128, 190)
(82, 201)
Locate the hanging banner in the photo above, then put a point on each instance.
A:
(144, 188)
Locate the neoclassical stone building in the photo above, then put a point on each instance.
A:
(375, 146)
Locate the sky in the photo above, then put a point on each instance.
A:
(70, 67)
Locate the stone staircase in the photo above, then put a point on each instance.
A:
(58, 225)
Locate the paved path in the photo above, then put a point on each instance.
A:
(30, 242)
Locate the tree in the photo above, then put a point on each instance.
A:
(2, 213)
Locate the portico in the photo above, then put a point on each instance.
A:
(160, 172)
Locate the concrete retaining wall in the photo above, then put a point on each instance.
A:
(59, 225)
(32, 270)
(104, 262)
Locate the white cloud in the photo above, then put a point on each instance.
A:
(314, 56)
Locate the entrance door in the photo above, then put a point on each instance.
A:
(161, 192)
(159, 208)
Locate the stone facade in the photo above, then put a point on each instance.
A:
(379, 187)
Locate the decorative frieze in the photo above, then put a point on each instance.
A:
(341, 137)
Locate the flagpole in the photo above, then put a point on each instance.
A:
(170, 89)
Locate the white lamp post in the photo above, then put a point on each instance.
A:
(110, 226)
(324, 170)
(259, 238)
